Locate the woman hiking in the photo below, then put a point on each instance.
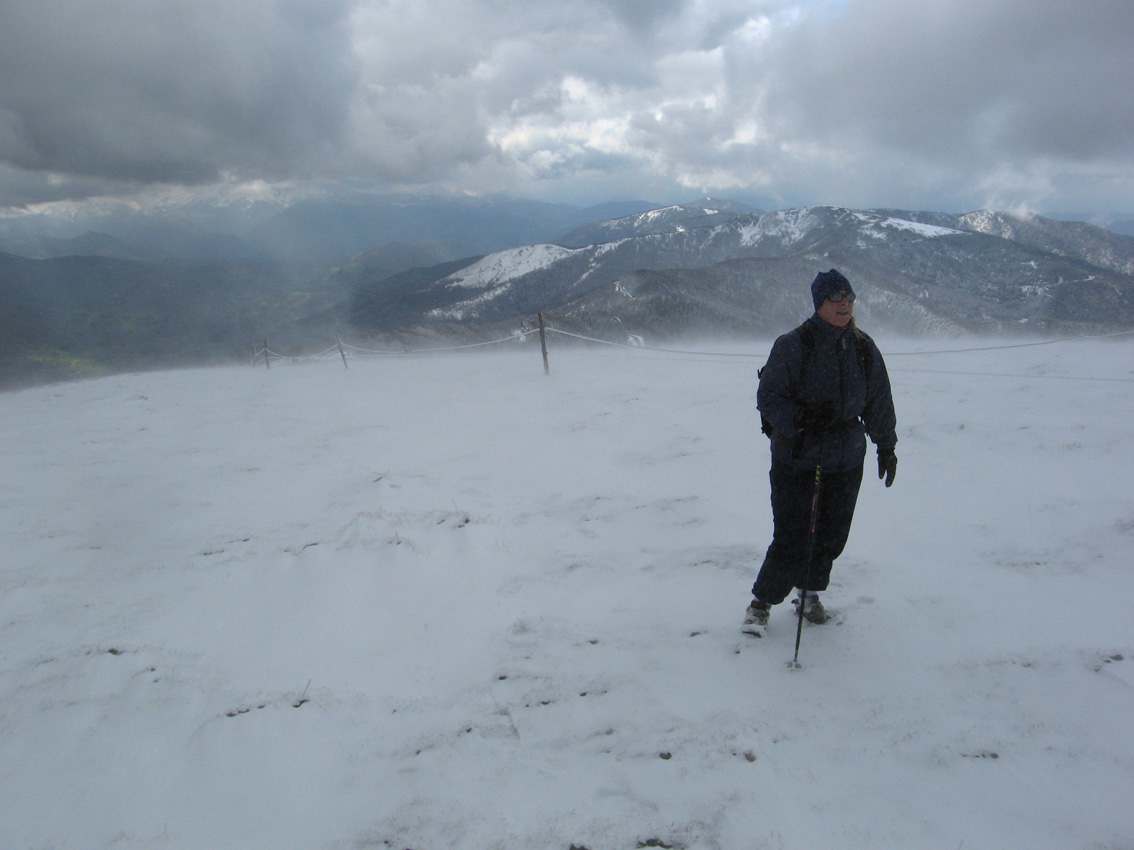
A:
(823, 390)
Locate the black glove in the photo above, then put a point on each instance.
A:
(817, 418)
(887, 465)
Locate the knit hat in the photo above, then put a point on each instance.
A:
(827, 282)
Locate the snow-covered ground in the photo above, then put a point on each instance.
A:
(451, 602)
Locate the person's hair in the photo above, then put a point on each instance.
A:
(853, 325)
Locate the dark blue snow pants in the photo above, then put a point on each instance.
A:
(785, 564)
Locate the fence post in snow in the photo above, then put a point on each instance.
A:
(341, 352)
(543, 344)
(267, 355)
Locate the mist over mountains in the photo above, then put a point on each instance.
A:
(192, 285)
(323, 231)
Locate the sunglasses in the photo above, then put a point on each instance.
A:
(839, 296)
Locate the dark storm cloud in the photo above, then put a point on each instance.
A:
(135, 90)
(976, 81)
(642, 14)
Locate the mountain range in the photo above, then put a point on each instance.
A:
(675, 273)
(468, 271)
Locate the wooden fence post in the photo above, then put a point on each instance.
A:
(543, 344)
(341, 352)
(267, 356)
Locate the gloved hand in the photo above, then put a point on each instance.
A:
(887, 465)
(817, 418)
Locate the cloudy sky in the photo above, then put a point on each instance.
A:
(935, 104)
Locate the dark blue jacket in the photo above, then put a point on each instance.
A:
(834, 373)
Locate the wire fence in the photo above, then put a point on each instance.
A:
(264, 353)
(340, 349)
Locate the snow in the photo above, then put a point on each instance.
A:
(658, 214)
(928, 231)
(495, 274)
(990, 221)
(499, 268)
(788, 225)
(451, 602)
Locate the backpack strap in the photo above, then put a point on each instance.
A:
(807, 344)
(862, 344)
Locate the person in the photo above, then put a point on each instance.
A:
(823, 390)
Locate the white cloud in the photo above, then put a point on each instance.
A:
(941, 103)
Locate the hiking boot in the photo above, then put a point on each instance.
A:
(756, 618)
(813, 610)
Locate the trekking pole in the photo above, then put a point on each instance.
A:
(794, 663)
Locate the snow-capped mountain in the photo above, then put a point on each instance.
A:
(677, 217)
(701, 269)
(749, 272)
(1095, 245)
